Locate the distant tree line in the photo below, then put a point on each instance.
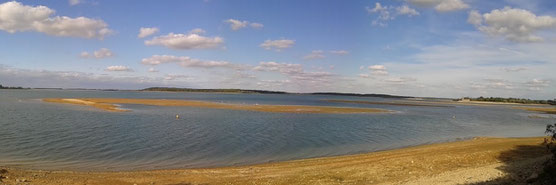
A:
(173, 89)
(512, 100)
(6, 87)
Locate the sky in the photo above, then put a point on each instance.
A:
(427, 48)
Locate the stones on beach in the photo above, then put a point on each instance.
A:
(21, 180)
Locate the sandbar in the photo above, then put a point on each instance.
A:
(417, 104)
(109, 104)
(547, 110)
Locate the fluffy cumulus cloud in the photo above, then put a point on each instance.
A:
(387, 13)
(277, 45)
(186, 62)
(118, 68)
(237, 24)
(192, 40)
(315, 54)
(99, 54)
(513, 24)
(145, 32)
(406, 10)
(16, 17)
(441, 5)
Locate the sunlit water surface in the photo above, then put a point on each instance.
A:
(35, 134)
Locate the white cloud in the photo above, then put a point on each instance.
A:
(103, 53)
(16, 17)
(379, 72)
(315, 54)
(256, 25)
(118, 68)
(513, 24)
(406, 10)
(375, 70)
(177, 76)
(73, 79)
(475, 18)
(514, 69)
(377, 67)
(153, 70)
(297, 74)
(74, 2)
(537, 84)
(441, 5)
(277, 45)
(387, 13)
(197, 31)
(145, 32)
(185, 41)
(284, 68)
(339, 52)
(492, 84)
(99, 54)
(400, 80)
(85, 54)
(364, 76)
(237, 24)
(185, 61)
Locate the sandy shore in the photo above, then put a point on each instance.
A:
(109, 104)
(475, 160)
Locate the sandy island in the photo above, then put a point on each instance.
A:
(109, 104)
(475, 160)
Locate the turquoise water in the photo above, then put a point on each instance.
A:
(39, 135)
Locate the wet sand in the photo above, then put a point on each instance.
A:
(474, 160)
(109, 104)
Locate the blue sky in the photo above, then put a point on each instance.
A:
(442, 48)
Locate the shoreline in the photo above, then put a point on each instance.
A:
(423, 163)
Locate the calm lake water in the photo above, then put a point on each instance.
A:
(35, 134)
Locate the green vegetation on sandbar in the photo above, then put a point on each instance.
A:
(510, 100)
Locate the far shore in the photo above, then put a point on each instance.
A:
(109, 104)
(503, 160)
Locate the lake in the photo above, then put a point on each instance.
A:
(40, 135)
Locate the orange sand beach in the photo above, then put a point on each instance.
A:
(109, 104)
(498, 160)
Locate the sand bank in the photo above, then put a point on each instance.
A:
(109, 105)
(548, 110)
(417, 104)
(459, 162)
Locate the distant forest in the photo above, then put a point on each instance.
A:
(513, 100)
(6, 87)
(173, 89)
